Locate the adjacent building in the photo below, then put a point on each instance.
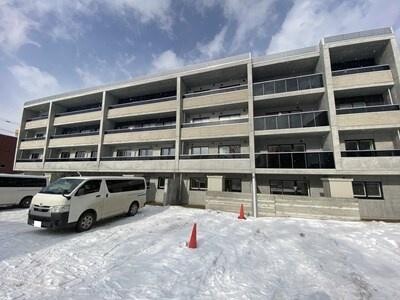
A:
(313, 123)
(7, 152)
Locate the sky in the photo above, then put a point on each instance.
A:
(52, 46)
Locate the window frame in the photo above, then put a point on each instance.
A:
(197, 187)
(161, 186)
(230, 147)
(295, 183)
(366, 196)
(357, 141)
(231, 185)
(201, 150)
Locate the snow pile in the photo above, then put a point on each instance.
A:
(145, 257)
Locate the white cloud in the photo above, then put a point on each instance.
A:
(167, 60)
(35, 82)
(310, 20)
(88, 78)
(216, 46)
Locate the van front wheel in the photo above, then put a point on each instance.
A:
(133, 209)
(85, 222)
(26, 202)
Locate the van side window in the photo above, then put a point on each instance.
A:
(89, 187)
(119, 186)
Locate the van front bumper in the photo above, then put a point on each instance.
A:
(56, 220)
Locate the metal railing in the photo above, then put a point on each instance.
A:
(57, 136)
(33, 138)
(372, 108)
(29, 160)
(121, 130)
(141, 102)
(215, 156)
(290, 84)
(292, 120)
(75, 112)
(369, 153)
(158, 157)
(216, 91)
(360, 70)
(295, 160)
(71, 159)
(212, 123)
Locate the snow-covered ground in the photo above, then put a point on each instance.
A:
(145, 257)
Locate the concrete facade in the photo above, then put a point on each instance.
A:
(307, 125)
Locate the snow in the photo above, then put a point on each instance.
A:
(145, 257)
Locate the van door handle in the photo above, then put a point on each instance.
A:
(97, 196)
(106, 195)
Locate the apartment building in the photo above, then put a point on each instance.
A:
(313, 123)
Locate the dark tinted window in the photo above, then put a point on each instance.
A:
(89, 187)
(22, 182)
(121, 185)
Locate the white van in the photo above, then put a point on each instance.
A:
(18, 189)
(81, 201)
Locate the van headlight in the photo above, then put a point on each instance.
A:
(59, 208)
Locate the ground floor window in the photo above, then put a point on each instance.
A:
(367, 189)
(198, 183)
(289, 187)
(161, 183)
(233, 185)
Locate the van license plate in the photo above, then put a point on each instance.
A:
(37, 224)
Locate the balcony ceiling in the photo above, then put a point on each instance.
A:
(285, 69)
(134, 118)
(82, 100)
(220, 75)
(373, 90)
(357, 51)
(298, 100)
(145, 89)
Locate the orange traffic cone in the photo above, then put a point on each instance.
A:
(193, 238)
(241, 213)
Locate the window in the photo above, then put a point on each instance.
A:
(124, 153)
(198, 150)
(287, 148)
(229, 149)
(22, 182)
(367, 190)
(289, 187)
(200, 120)
(145, 152)
(89, 187)
(198, 183)
(229, 117)
(161, 183)
(34, 155)
(170, 151)
(233, 185)
(122, 185)
(64, 155)
(80, 154)
(356, 145)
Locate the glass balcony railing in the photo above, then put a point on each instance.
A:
(369, 153)
(141, 102)
(364, 109)
(146, 128)
(158, 157)
(216, 91)
(51, 159)
(212, 123)
(360, 70)
(295, 160)
(56, 136)
(285, 85)
(215, 156)
(293, 120)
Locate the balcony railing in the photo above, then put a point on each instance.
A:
(295, 160)
(71, 159)
(120, 130)
(364, 109)
(293, 120)
(158, 157)
(216, 91)
(75, 112)
(215, 156)
(369, 153)
(56, 136)
(29, 160)
(360, 70)
(288, 84)
(37, 118)
(212, 123)
(141, 102)
(33, 138)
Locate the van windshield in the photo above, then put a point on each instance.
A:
(62, 186)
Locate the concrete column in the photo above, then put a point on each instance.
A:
(21, 132)
(215, 183)
(338, 187)
(179, 116)
(105, 102)
(330, 97)
(49, 129)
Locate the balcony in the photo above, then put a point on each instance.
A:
(32, 144)
(222, 96)
(386, 160)
(138, 135)
(378, 119)
(145, 107)
(217, 129)
(292, 120)
(138, 163)
(28, 164)
(364, 77)
(119, 158)
(229, 162)
(364, 109)
(37, 122)
(78, 116)
(70, 164)
(295, 160)
(288, 85)
(74, 139)
(71, 159)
